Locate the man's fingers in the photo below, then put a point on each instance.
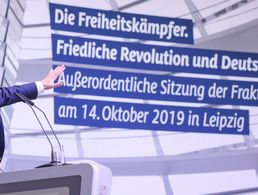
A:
(59, 84)
(58, 70)
(54, 85)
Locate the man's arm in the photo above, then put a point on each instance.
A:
(8, 96)
(31, 90)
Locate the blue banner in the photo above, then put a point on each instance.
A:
(83, 112)
(155, 87)
(120, 24)
(152, 57)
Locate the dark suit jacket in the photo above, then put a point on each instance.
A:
(8, 96)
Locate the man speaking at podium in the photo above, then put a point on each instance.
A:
(30, 90)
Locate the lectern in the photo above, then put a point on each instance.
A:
(87, 178)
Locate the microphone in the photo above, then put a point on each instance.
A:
(54, 160)
(24, 99)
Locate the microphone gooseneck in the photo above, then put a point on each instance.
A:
(60, 145)
(30, 105)
(54, 160)
(52, 148)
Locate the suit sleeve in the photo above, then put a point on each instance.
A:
(8, 96)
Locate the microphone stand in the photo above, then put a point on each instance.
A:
(54, 160)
